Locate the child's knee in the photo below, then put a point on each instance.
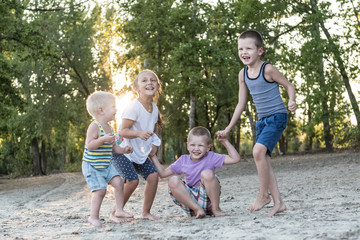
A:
(207, 174)
(174, 182)
(99, 193)
(117, 182)
(153, 178)
(132, 184)
(259, 152)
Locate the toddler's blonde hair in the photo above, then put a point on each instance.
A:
(98, 100)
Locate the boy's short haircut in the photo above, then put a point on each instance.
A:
(97, 100)
(254, 35)
(200, 131)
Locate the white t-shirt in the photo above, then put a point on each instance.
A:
(143, 121)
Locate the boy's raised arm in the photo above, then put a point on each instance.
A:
(163, 173)
(233, 156)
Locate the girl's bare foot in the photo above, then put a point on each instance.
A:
(115, 219)
(277, 208)
(150, 217)
(95, 222)
(259, 203)
(123, 214)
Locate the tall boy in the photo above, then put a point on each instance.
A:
(199, 195)
(262, 80)
(96, 166)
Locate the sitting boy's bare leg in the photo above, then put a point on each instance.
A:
(212, 187)
(149, 196)
(181, 194)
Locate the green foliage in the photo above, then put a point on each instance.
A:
(46, 85)
(53, 54)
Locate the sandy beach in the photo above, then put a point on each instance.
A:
(321, 191)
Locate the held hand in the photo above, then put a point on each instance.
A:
(153, 151)
(145, 135)
(222, 133)
(221, 137)
(110, 138)
(292, 106)
(128, 149)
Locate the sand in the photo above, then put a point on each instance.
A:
(321, 191)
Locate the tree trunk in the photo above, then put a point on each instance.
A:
(192, 122)
(179, 148)
(43, 159)
(238, 135)
(343, 73)
(160, 150)
(282, 145)
(252, 124)
(309, 132)
(63, 158)
(36, 157)
(324, 94)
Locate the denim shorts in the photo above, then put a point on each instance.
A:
(269, 130)
(129, 170)
(98, 179)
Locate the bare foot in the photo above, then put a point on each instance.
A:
(200, 213)
(95, 222)
(115, 219)
(123, 214)
(259, 203)
(218, 213)
(277, 208)
(150, 217)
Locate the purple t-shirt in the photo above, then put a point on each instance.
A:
(192, 169)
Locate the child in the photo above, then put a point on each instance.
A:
(262, 80)
(138, 125)
(200, 194)
(96, 166)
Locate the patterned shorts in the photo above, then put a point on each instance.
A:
(129, 170)
(198, 194)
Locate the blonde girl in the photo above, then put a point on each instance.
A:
(139, 121)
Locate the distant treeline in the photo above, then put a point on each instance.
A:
(55, 53)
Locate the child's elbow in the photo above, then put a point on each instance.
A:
(237, 159)
(162, 175)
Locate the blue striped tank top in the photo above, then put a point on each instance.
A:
(99, 158)
(265, 94)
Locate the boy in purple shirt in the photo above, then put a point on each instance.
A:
(199, 195)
